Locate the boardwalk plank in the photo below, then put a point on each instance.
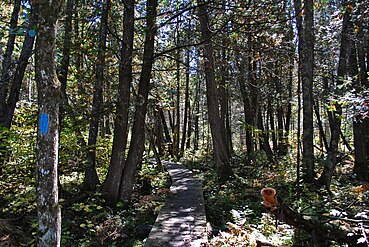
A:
(182, 220)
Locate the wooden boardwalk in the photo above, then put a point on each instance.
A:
(182, 220)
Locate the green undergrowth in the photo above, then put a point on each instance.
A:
(87, 219)
(236, 216)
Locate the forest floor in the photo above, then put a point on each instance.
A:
(234, 212)
(87, 219)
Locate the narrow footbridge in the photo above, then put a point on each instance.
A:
(182, 220)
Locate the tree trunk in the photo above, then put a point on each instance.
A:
(223, 102)
(64, 66)
(221, 149)
(7, 59)
(4, 84)
(300, 33)
(78, 37)
(113, 178)
(280, 142)
(197, 118)
(168, 139)
(335, 116)
(272, 130)
(264, 139)
(361, 142)
(361, 123)
(307, 91)
(320, 126)
(25, 55)
(283, 148)
(48, 210)
(153, 146)
(187, 100)
(8, 104)
(138, 130)
(190, 120)
(91, 179)
(248, 115)
(65, 107)
(158, 132)
(177, 125)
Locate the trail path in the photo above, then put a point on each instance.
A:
(182, 220)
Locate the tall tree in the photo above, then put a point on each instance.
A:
(136, 147)
(9, 99)
(221, 149)
(7, 57)
(248, 114)
(64, 65)
(335, 115)
(361, 120)
(307, 90)
(112, 182)
(91, 179)
(25, 55)
(186, 112)
(65, 106)
(305, 27)
(4, 82)
(48, 86)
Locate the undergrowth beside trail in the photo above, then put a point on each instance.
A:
(87, 219)
(236, 216)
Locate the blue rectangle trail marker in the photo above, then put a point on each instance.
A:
(44, 123)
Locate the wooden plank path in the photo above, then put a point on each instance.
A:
(182, 220)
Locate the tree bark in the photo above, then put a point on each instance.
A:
(65, 61)
(335, 116)
(64, 66)
(7, 58)
(4, 84)
(272, 130)
(167, 138)
(284, 146)
(91, 179)
(221, 149)
(186, 112)
(248, 114)
(177, 122)
(158, 131)
(307, 91)
(138, 130)
(264, 140)
(197, 117)
(8, 103)
(361, 142)
(320, 126)
(112, 182)
(25, 55)
(361, 123)
(300, 33)
(48, 210)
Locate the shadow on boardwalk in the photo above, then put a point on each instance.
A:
(182, 220)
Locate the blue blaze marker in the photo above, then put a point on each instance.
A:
(32, 33)
(44, 123)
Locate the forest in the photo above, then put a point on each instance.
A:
(266, 102)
